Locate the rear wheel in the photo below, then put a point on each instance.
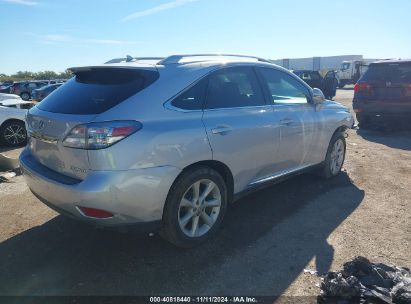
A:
(335, 156)
(13, 133)
(25, 96)
(363, 121)
(195, 207)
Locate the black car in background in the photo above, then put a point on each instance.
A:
(383, 93)
(327, 84)
(43, 92)
(24, 88)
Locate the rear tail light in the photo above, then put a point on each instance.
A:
(96, 213)
(94, 136)
(363, 87)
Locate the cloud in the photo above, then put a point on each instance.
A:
(156, 9)
(22, 2)
(60, 39)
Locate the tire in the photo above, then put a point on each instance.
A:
(333, 163)
(184, 222)
(25, 96)
(13, 133)
(363, 121)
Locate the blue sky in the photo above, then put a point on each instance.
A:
(56, 34)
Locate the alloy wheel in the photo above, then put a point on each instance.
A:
(199, 208)
(14, 134)
(337, 156)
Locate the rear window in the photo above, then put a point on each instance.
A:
(97, 90)
(394, 72)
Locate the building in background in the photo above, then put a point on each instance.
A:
(316, 63)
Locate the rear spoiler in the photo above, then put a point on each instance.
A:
(75, 70)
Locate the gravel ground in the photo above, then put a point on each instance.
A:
(267, 241)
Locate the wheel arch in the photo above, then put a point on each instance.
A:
(221, 168)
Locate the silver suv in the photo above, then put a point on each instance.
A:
(169, 144)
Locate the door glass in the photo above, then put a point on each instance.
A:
(234, 87)
(283, 88)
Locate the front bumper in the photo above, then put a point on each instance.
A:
(133, 196)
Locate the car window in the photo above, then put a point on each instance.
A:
(345, 66)
(394, 72)
(234, 87)
(306, 76)
(315, 76)
(192, 98)
(97, 90)
(32, 85)
(283, 88)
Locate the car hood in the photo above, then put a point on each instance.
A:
(329, 104)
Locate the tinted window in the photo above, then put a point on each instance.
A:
(395, 72)
(95, 91)
(315, 76)
(193, 98)
(284, 88)
(234, 87)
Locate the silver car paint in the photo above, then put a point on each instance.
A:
(133, 177)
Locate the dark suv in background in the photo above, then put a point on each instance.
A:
(383, 93)
(23, 89)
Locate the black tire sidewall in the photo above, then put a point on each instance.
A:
(171, 228)
(25, 94)
(3, 129)
(327, 166)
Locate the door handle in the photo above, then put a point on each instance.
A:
(221, 130)
(286, 122)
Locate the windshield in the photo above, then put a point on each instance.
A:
(345, 66)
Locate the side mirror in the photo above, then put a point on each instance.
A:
(318, 96)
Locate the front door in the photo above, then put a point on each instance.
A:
(297, 119)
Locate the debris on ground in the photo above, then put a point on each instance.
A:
(310, 271)
(7, 176)
(361, 281)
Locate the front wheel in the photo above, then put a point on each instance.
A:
(335, 156)
(195, 207)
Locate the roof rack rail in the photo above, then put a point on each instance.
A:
(131, 59)
(174, 59)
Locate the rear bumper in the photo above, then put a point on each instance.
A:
(135, 197)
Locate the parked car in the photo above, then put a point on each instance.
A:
(12, 127)
(23, 89)
(383, 93)
(328, 84)
(169, 145)
(4, 96)
(5, 88)
(6, 83)
(43, 92)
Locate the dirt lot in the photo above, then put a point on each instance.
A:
(268, 238)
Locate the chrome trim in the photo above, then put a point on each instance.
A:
(41, 137)
(278, 175)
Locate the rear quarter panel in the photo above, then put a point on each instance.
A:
(168, 137)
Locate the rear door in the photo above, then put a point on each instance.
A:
(297, 119)
(91, 92)
(240, 125)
